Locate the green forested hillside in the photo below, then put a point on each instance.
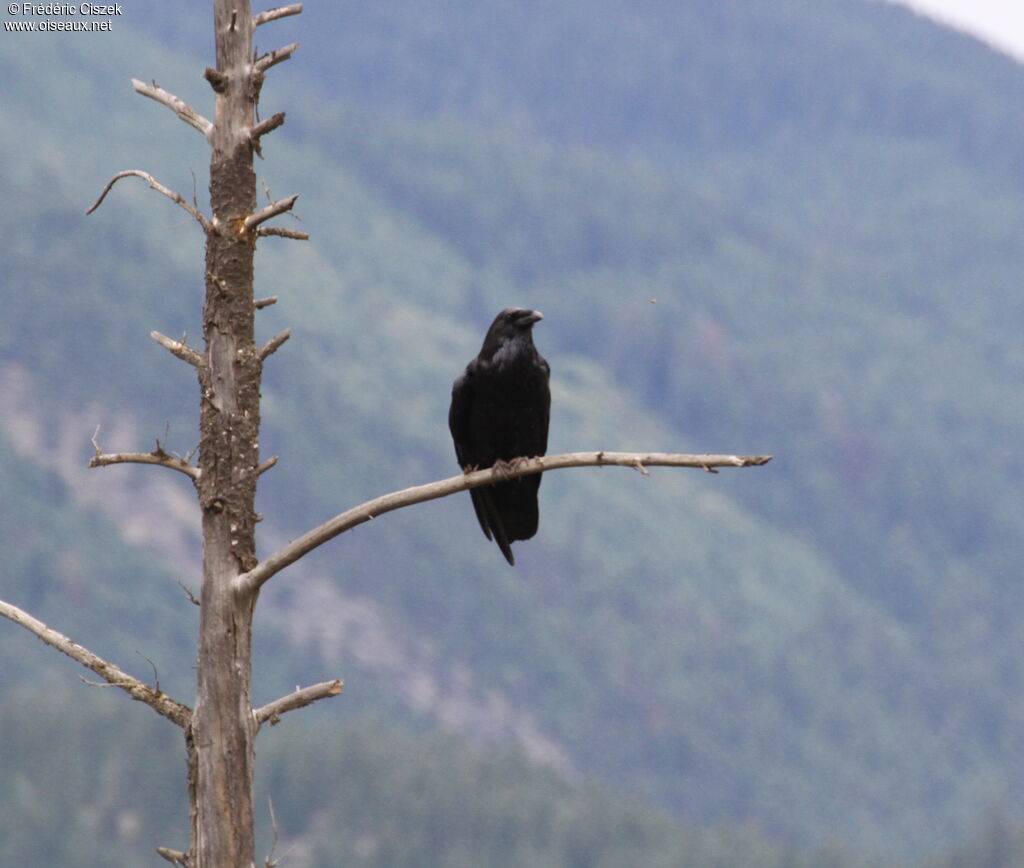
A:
(109, 781)
(786, 229)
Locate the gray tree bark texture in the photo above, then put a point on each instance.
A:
(222, 733)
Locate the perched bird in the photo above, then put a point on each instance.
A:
(499, 413)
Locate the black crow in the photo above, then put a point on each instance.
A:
(500, 409)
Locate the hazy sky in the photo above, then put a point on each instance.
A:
(1000, 22)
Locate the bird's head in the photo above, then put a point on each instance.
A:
(511, 328)
(513, 321)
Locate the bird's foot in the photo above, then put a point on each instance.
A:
(502, 468)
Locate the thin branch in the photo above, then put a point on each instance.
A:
(261, 303)
(156, 699)
(270, 861)
(269, 211)
(156, 674)
(173, 856)
(158, 456)
(266, 465)
(299, 699)
(294, 234)
(160, 188)
(274, 14)
(177, 105)
(192, 598)
(179, 348)
(250, 582)
(274, 344)
(272, 58)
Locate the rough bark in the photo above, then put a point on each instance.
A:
(221, 739)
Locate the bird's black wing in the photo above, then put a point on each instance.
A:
(460, 412)
(528, 416)
(459, 415)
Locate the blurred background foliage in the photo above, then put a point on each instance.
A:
(788, 228)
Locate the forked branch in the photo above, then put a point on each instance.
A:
(250, 582)
(299, 699)
(160, 188)
(272, 58)
(156, 699)
(177, 105)
(269, 211)
(158, 456)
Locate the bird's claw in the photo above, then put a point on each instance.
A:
(503, 468)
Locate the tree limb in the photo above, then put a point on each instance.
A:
(178, 348)
(177, 105)
(157, 456)
(281, 232)
(299, 699)
(272, 58)
(156, 699)
(269, 211)
(264, 127)
(274, 14)
(250, 582)
(160, 188)
(274, 344)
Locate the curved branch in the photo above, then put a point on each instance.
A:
(250, 582)
(272, 711)
(158, 456)
(274, 14)
(177, 105)
(156, 699)
(160, 188)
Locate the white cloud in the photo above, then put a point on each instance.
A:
(998, 22)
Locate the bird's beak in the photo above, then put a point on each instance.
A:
(535, 316)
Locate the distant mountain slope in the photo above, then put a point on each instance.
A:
(673, 79)
(359, 794)
(824, 216)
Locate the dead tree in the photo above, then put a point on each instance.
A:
(220, 731)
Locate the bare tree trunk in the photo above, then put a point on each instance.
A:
(222, 736)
